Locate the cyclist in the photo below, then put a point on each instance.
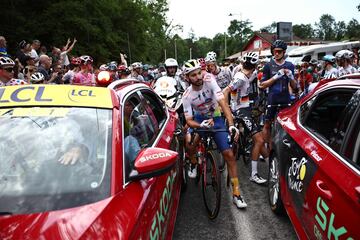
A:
(85, 75)
(136, 69)
(277, 76)
(7, 73)
(329, 69)
(202, 101)
(240, 104)
(223, 76)
(171, 67)
(344, 60)
(123, 71)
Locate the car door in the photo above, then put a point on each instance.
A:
(330, 207)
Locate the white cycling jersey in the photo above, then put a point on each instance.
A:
(205, 101)
(224, 77)
(240, 89)
(331, 72)
(344, 71)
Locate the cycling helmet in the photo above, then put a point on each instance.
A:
(278, 44)
(136, 65)
(210, 57)
(85, 59)
(6, 62)
(314, 62)
(75, 61)
(329, 58)
(111, 66)
(250, 57)
(191, 65)
(103, 67)
(37, 77)
(171, 62)
(344, 54)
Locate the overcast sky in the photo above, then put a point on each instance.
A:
(209, 17)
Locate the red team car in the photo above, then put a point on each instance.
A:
(82, 162)
(314, 170)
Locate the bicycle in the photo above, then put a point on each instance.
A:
(208, 171)
(244, 144)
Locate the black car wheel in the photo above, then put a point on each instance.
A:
(274, 185)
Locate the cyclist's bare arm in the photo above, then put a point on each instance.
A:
(226, 110)
(226, 92)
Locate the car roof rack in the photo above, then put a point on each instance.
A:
(121, 82)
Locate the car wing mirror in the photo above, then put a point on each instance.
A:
(152, 162)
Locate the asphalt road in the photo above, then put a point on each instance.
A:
(257, 221)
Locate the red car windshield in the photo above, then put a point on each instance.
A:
(53, 158)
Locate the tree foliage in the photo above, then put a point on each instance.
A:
(325, 28)
(303, 31)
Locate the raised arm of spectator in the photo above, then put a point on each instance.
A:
(71, 46)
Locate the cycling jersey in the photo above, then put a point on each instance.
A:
(13, 82)
(240, 89)
(279, 91)
(81, 78)
(281, 84)
(223, 77)
(344, 71)
(333, 72)
(205, 101)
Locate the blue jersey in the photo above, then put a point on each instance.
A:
(279, 91)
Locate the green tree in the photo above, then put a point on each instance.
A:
(353, 29)
(340, 30)
(270, 28)
(303, 31)
(325, 28)
(240, 32)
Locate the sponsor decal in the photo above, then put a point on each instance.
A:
(55, 95)
(154, 156)
(325, 218)
(158, 224)
(316, 155)
(296, 174)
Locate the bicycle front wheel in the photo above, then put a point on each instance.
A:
(211, 185)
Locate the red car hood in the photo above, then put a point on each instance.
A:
(70, 223)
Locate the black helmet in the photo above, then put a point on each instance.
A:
(278, 44)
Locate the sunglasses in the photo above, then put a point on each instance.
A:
(9, 69)
(278, 51)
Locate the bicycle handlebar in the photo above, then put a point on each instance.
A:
(279, 105)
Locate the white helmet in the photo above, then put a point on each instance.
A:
(165, 87)
(136, 65)
(171, 62)
(6, 62)
(103, 67)
(37, 77)
(250, 57)
(210, 57)
(191, 65)
(344, 54)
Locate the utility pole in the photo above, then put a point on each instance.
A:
(175, 49)
(165, 54)
(225, 51)
(190, 53)
(128, 40)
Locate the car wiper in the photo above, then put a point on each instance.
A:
(6, 213)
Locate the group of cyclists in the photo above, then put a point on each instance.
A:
(212, 95)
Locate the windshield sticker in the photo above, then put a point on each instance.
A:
(40, 112)
(296, 174)
(54, 95)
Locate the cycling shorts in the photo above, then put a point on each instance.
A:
(250, 126)
(221, 138)
(274, 99)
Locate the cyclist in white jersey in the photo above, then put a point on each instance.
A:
(223, 76)
(329, 69)
(202, 101)
(344, 60)
(239, 89)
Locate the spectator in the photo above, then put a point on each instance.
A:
(44, 68)
(65, 50)
(3, 49)
(34, 48)
(55, 55)
(57, 73)
(43, 51)
(24, 49)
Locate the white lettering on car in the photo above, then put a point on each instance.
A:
(315, 155)
(154, 156)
